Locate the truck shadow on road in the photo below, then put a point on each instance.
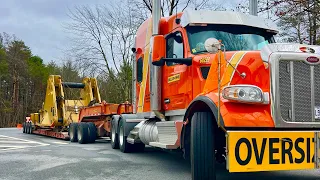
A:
(177, 163)
(173, 162)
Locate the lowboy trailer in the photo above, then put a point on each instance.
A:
(80, 120)
(98, 116)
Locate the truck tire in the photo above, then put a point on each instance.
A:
(114, 136)
(28, 128)
(125, 147)
(92, 132)
(83, 133)
(202, 146)
(73, 132)
(24, 127)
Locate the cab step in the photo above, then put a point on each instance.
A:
(163, 146)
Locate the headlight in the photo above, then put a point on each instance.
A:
(244, 93)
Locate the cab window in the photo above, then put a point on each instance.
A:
(139, 69)
(174, 47)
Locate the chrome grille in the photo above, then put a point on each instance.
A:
(285, 90)
(297, 90)
(317, 85)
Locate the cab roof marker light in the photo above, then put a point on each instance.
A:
(245, 94)
(198, 24)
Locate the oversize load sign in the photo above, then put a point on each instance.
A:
(270, 151)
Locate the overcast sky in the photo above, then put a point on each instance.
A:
(39, 23)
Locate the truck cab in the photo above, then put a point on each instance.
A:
(184, 62)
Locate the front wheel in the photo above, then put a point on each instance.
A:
(202, 146)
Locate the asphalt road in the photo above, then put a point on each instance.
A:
(25, 156)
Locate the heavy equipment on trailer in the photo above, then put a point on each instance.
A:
(62, 118)
(216, 85)
(57, 112)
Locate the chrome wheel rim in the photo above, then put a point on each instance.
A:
(113, 134)
(71, 134)
(121, 136)
(79, 135)
(30, 128)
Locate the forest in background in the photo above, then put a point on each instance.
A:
(102, 38)
(23, 78)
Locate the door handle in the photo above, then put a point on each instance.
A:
(166, 100)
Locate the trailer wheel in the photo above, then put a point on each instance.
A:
(24, 127)
(202, 146)
(30, 128)
(92, 132)
(83, 133)
(125, 147)
(27, 128)
(73, 132)
(114, 137)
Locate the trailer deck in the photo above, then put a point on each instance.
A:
(51, 133)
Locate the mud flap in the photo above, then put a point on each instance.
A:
(249, 151)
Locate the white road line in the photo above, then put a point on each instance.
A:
(25, 140)
(5, 146)
(13, 143)
(12, 148)
(16, 142)
(57, 142)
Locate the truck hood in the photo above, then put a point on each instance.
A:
(248, 63)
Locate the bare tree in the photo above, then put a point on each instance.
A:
(299, 19)
(169, 7)
(103, 37)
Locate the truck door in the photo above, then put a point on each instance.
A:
(177, 80)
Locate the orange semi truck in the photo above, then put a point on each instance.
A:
(217, 86)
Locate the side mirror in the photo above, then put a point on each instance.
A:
(158, 49)
(159, 52)
(178, 39)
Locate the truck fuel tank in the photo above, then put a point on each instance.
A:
(148, 132)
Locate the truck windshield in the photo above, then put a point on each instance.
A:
(234, 37)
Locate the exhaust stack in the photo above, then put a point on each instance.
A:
(253, 7)
(155, 72)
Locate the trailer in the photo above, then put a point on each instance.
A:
(95, 121)
(80, 120)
